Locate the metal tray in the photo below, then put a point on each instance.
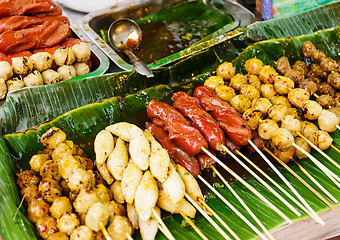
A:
(92, 23)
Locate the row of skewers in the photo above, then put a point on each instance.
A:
(198, 127)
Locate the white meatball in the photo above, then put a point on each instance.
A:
(6, 70)
(302, 143)
(119, 227)
(81, 178)
(282, 139)
(268, 91)
(42, 61)
(252, 117)
(311, 110)
(292, 124)
(321, 139)
(22, 65)
(64, 56)
(60, 206)
(298, 97)
(98, 214)
(250, 92)
(3, 88)
(328, 121)
(277, 112)
(14, 84)
(240, 103)
(84, 200)
(67, 72)
(33, 79)
(267, 128)
(50, 76)
(283, 85)
(81, 51)
(285, 155)
(307, 128)
(81, 68)
(68, 223)
(82, 233)
(262, 104)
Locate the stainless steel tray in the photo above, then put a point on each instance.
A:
(92, 23)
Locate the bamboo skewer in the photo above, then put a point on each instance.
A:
(261, 181)
(166, 232)
(106, 234)
(128, 236)
(244, 205)
(319, 150)
(303, 181)
(296, 193)
(207, 217)
(199, 232)
(324, 169)
(335, 148)
(218, 218)
(315, 181)
(253, 190)
(21, 202)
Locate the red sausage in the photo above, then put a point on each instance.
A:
(226, 116)
(177, 154)
(180, 131)
(205, 160)
(18, 22)
(203, 121)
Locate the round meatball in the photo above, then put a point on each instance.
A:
(64, 56)
(267, 74)
(267, 128)
(253, 66)
(30, 192)
(238, 81)
(335, 110)
(311, 110)
(282, 139)
(282, 65)
(42, 61)
(328, 64)
(50, 170)
(97, 214)
(81, 51)
(277, 112)
(328, 121)
(240, 103)
(307, 128)
(292, 124)
(58, 236)
(225, 70)
(302, 143)
(81, 68)
(301, 67)
(250, 92)
(46, 226)
(318, 55)
(298, 97)
(253, 80)
(334, 80)
(81, 179)
(50, 76)
(60, 206)
(6, 70)
(28, 177)
(67, 72)
(309, 85)
(294, 75)
(294, 112)
(213, 82)
(14, 84)
(68, 223)
(252, 117)
(33, 79)
(281, 100)
(318, 70)
(307, 49)
(37, 161)
(321, 139)
(84, 200)
(119, 227)
(284, 155)
(82, 233)
(3, 88)
(225, 92)
(49, 189)
(22, 65)
(326, 101)
(325, 88)
(37, 209)
(262, 104)
(283, 85)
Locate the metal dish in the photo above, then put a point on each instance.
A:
(92, 23)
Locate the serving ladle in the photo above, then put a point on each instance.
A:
(125, 35)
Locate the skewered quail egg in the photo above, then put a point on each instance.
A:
(328, 121)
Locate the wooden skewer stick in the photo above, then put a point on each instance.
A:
(315, 182)
(320, 151)
(253, 190)
(218, 218)
(280, 188)
(303, 181)
(163, 231)
(335, 148)
(21, 202)
(199, 232)
(263, 182)
(338, 127)
(106, 234)
(296, 193)
(128, 236)
(246, 207)
(207, 216)
(324, 169)
(162, 224)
